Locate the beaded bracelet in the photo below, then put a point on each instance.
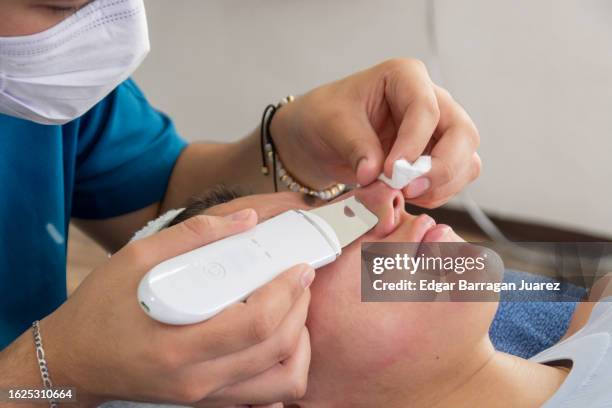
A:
(269, 154)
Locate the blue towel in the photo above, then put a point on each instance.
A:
(523, 326)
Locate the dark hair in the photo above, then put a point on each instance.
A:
(198, 204)
(219, 194)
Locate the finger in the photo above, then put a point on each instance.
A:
(246, 364)
(451, 163)
(284, 382)
(414, 106)
(186, 236)
(244, 325)
(442, 194)
(453, 116)
(453, 155)
(356, 142)
(450, 110)
(458, 177)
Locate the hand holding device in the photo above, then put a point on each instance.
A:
(101, 342)
(195, 286)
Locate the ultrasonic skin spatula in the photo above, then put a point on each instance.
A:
(195, 286)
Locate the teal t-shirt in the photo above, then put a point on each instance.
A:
(115, 159)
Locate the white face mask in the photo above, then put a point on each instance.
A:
(56, 76)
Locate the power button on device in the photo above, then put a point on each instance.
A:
(214, 271)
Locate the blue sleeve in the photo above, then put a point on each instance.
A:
(125, 155)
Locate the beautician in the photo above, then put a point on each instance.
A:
(79, 142)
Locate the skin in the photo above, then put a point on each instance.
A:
(348, 130)
(24, 17)
(399, 354)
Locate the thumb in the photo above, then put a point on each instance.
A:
(358, 146)
(188, 235)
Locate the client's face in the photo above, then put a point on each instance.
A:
(363, 348)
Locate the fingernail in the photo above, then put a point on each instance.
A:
(417, 187)
(365, 171)
(361, 162)
(307, 277)
(241, 215)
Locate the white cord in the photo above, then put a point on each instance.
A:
(481, 219)
(525, 254)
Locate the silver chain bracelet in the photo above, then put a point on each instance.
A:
(42, 363)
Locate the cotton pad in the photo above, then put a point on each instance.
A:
(404, 172)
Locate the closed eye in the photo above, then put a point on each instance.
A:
(63, 9)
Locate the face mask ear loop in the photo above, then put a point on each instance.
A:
(2, 82)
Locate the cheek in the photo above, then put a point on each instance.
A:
(366, 341)
(335, 293)
(356, 336)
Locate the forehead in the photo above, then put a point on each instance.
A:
(266, 205)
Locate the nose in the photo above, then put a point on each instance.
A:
(385, 202)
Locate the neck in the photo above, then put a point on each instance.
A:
(404, 384)
(506, 380)
(486, 378)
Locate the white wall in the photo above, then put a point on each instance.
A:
(216, 64)
(536, 77)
